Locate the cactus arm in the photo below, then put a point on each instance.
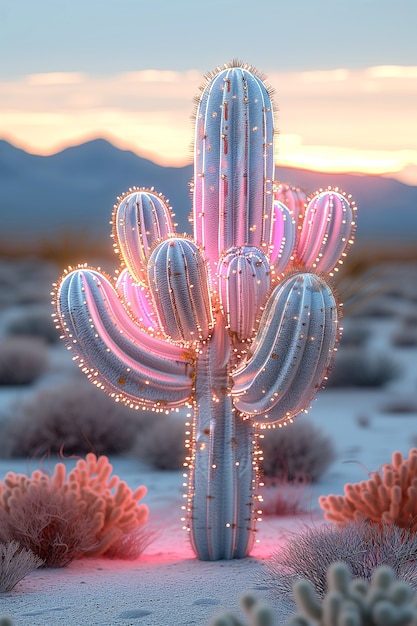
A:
(327, 231)
(137, 300)
(222, 473)
(130, 363)
(291, 352)
(178, 284)
(296, 201)
(140, 218)
(283, 236)
(234, 164)
(244, 283)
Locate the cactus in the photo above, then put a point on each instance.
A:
(384, 601)
(217, 322)
(258, 614)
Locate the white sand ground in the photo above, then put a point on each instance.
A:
(167, 585)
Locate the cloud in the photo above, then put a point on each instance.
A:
(56, 78)
(350, 119)
(401, 163)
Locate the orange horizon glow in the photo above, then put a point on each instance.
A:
(323, 162)
(337, 121)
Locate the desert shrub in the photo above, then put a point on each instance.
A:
(162, 443)
(27, 281)
(354, 367)
(387, 497)
(282, 497)
(405, 337)
(410, 318)
(22, 360)
(355, 334)
(294, 452)
(379, 307)
(363, 421)
(74, 417)
(15, 563)
(87, 513)
(362, 545)
(33, 321)
(403, 404)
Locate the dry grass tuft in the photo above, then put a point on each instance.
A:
(15, 563)
(362, 545)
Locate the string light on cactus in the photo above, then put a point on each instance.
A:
(240, 323)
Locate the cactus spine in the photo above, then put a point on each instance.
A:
(214, 322)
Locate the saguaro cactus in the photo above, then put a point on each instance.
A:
(240, 323)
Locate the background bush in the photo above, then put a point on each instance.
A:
(22, 360)
(74, 418)
(355, 367)
(162, 442)
(299, 451)
(34, 321)
(361, 545)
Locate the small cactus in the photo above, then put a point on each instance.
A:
(384, 601)
(240, 323)
(258, 614)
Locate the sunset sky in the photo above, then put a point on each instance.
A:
(344, 74)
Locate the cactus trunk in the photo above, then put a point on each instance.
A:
(222, 466)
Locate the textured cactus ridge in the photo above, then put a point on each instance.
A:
(384, 601)
(239, 322)
(389, 496)
(292, 351)
(141, 217)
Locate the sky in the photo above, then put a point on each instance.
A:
(344, 73)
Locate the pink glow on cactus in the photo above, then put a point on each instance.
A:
(295, 199)
(234, 163)
(291, 352)
(326, 231)
(141, 218)
(134, 363)
(244, 283)
(137, 300)
(283, 237)
(178, 283)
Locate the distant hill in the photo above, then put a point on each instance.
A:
(75, 190)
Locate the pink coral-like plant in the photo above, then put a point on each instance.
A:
(60, 517)
(389, 496)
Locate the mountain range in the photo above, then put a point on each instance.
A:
(75, 189)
